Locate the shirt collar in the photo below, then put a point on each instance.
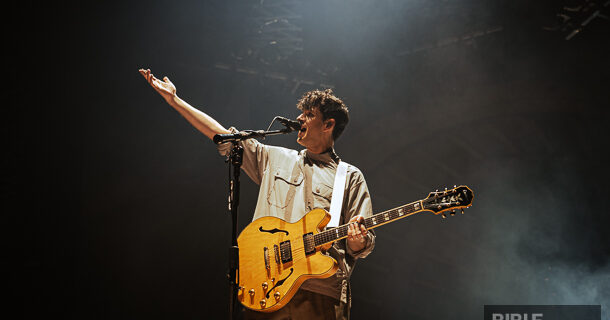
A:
(327, 157)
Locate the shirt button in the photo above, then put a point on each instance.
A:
(318, 190)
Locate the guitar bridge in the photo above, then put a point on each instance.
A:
(276, 251)
(266, 253)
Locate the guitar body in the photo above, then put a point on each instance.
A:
(274, 260)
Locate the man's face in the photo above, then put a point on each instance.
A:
(314, 133)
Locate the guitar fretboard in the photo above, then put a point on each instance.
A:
(371, 222)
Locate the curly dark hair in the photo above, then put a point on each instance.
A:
(329, 105)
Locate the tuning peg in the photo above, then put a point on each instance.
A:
(452, 213)
(462, 210)
(443, 215)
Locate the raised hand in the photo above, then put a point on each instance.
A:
(165, 88)
(198, 119)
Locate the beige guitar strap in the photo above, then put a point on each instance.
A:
(337, 197)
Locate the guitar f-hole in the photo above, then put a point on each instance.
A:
(279, 283)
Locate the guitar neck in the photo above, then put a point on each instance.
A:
(371, 222)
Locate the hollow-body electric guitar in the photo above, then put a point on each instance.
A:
(276, 257)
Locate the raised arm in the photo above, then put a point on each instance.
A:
(201, 121)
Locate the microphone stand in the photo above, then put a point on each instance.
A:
(235, 159)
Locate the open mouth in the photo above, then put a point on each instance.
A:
(301, 132)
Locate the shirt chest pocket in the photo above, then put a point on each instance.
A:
(285, 184)
(322, 195)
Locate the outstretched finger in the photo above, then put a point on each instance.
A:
(151, 77)
(166, 79)
(144, 73)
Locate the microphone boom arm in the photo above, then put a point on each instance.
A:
(290, 125)
(247, 134)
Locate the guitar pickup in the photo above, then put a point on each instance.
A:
(308, 243)
(285, 251)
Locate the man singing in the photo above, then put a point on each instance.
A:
(294, 182)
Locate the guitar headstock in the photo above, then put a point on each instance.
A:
(448, 200)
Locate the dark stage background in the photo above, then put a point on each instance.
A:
(115, 206)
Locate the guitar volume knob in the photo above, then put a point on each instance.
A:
(263, 303)
(251, 292)
(265, 285)
(276, 295)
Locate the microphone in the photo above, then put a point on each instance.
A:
(290, 124)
